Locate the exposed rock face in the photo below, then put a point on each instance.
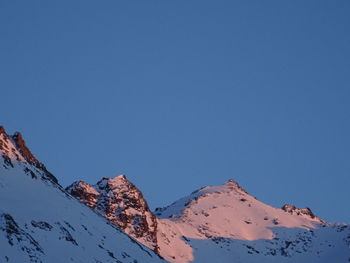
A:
(23, 149)
(13, 148)
(235, 186)
(293, 210)
(8, 152)
(17, 236)
(29, 157)
(213, 224)
(39, 219)
(122, 204)
(84, 192)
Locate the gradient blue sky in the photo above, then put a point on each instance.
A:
(182, 94)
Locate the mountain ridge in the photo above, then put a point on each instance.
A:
(183, 225)
(105, 222)
(40, 222)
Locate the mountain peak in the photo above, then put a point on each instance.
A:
(121, 176)
(29, 157)
(232, 183)
(118, 179)
(119, 201)
(110, 184)
(15, 151)
(24, 150)
(38, 219)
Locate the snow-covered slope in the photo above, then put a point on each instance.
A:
(219, 224)
(41, 222)
(225, 224)
(118, 200)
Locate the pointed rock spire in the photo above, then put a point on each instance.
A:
(29, 157)
(14, 148)
(24, 150)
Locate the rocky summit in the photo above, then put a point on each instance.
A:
(119, 201)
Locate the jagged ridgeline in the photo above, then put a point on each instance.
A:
(112, 222)
(41, 222)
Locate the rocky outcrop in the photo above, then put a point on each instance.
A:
(119, 201)
(16, 236)
(293, 210)
(39, 220)
(23, 149)
(84, 192)
(13, 149)
(29, 157)
(235, 186)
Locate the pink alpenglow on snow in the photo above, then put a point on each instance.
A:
(42, 222)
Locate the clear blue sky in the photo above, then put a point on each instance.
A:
(182, 94)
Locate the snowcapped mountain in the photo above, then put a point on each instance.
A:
(219, 224)
(41, 222)
(226, 223)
